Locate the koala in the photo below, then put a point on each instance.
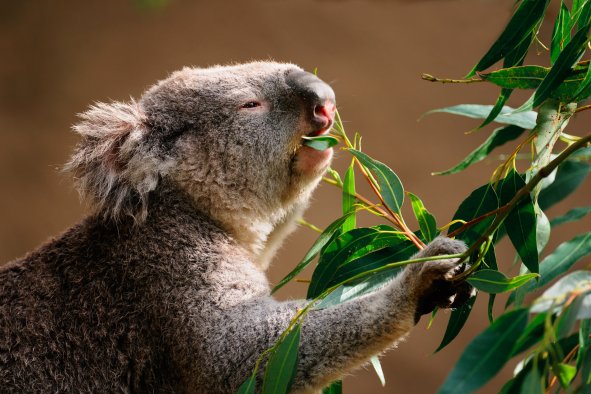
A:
(162, 288)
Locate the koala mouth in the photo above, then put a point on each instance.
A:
(322, 131)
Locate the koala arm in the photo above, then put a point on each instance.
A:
(338, 339)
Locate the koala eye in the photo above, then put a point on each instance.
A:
(251, 104)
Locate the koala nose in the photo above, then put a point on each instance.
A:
(318, 98)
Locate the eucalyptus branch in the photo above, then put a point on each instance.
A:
(583, 108)
(504, 211)
(431, 78)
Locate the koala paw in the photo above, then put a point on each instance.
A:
(432, 284)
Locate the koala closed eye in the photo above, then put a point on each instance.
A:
(251, 104)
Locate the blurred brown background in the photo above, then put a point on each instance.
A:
(59, 57)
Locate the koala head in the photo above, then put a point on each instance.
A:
(230, 136)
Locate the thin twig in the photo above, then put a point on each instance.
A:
(431, 78)
(583, 108)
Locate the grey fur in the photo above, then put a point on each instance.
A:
(163, 289)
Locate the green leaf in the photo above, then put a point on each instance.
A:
(569, 177)
(490, 261)
(344, 252)
(584, 89)
(486, 354)
(349, 199)
(334, 388)
(457, 319)
(582, 153)
(527, 120)
(543, 229)
(533, 333)
(426, 221)
(565, 374)
(514, 58)
(555, 297)
(388, 182)
(531, 77)
(514, 386)
(561, 69)
(498, 138)
(491, 281)
(366, 259)
(320, 142)
(561, 32)
(560, 261)
(282, 364)
(375, 361)
(520, 224)
(523, 22)
(360, 288)
(584, 353)
(249, 386)
(523, 77)
(322, 240)
(532, 382)
(584, 17)
(568, 317)
(479, 202)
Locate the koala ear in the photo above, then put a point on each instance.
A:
(113, 165)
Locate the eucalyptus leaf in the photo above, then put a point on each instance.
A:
(481, 201)
(349, 200)
(249, 386)
(320, 242)
(533, 333)
(389, 183)
(375, 362)
(543, 229)
(571, 216)
(334, 388)
(526, 18)
(426, 220)
(520, 223)
(565, 374)
(515, 58)
(282, 364)
(360, 288)
(560, 261)
(531, 77)
(400, 249)
(569, 176)
(568, 317)
(457, 319)
(320, 142)
(561, 32)
(498, 138)
(526, 120)
(348, 247)
(584, 353)
(554, 298)
(486, 354)
(492, 281)
(532, 382)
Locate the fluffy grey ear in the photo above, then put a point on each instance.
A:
(113, 165)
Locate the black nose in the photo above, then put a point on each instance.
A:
(318, 98)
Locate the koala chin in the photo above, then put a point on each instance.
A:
(162, 288)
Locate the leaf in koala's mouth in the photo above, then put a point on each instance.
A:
(320, 142)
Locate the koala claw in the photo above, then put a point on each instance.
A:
(433, 280)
